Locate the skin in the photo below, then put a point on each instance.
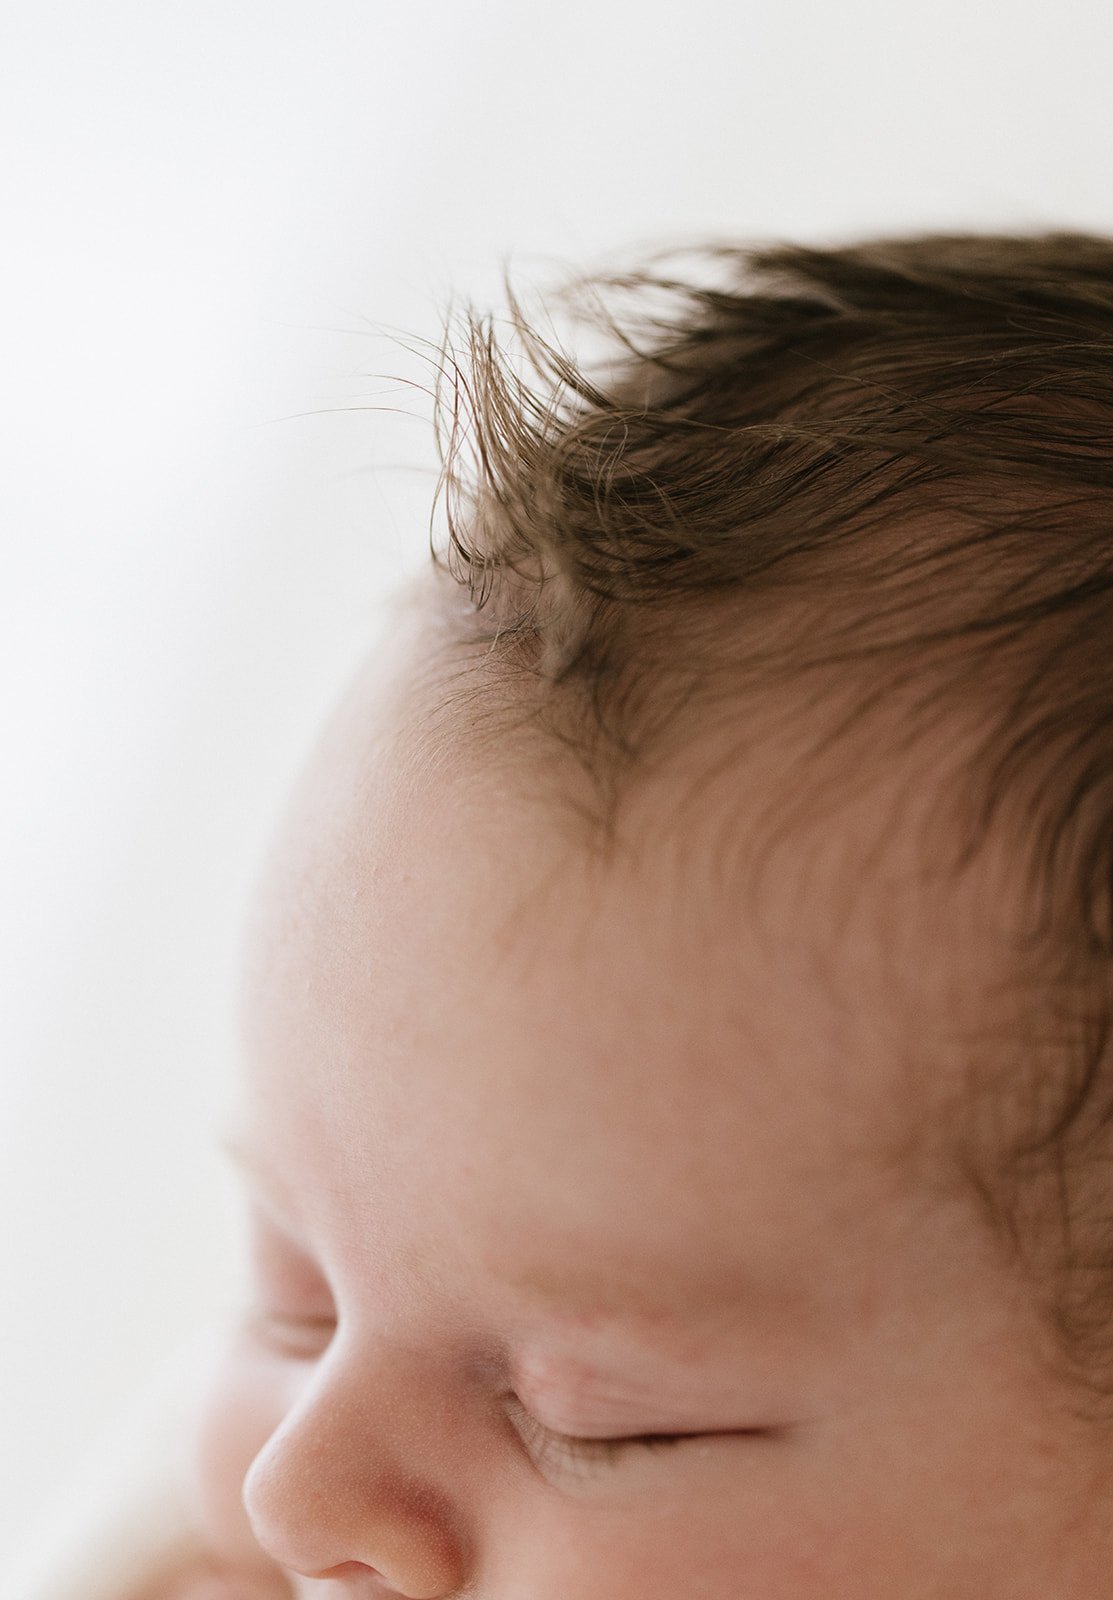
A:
(539, 1145)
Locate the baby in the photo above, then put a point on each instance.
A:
(677, 1119)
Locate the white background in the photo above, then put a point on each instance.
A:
(204, 209)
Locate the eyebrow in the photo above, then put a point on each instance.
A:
(634, 1287)
(249, 1162)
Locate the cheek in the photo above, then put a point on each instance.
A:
(247, 1398)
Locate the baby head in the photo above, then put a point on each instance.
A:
(676, 1012)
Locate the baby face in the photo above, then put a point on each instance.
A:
(586, 1264)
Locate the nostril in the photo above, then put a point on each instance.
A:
(361, 1582)
(358, 1581)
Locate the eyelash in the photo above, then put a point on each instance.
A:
(565, 1450)
(552, 1449)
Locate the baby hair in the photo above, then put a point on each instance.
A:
(877, 481)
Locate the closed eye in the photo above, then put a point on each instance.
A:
(293, 1312)
(302, 1338)
(550, 1449)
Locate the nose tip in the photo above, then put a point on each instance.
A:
(321, 1532)
(338, 1497)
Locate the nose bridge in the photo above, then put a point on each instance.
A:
(359, 1475)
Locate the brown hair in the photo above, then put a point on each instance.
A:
(908, 443)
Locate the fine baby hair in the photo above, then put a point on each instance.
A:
(869, 485)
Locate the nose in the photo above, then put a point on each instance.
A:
(351, 1487)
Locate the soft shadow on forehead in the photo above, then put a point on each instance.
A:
(442, 979)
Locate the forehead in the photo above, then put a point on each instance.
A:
(455, 1014)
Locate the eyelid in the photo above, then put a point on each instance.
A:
(269, 1233)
